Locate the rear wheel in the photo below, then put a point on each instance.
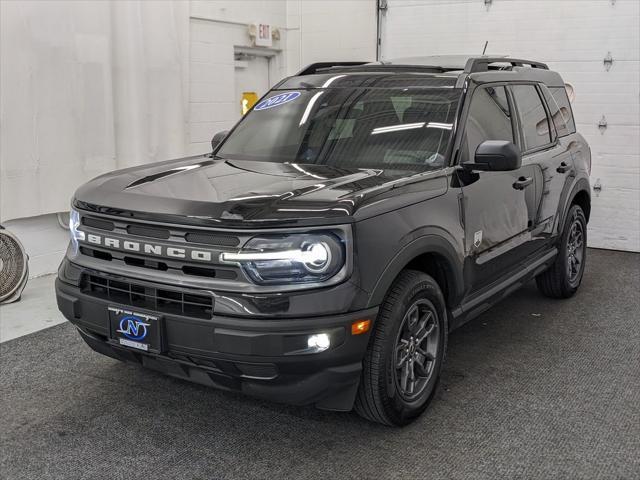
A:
(403, 362)
(563, 278)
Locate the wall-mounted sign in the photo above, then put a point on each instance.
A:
(263, 35)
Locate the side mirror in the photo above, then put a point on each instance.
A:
(217, 139)
(496, 156)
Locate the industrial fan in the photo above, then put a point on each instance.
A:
(14, 268)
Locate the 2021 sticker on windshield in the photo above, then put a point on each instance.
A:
(277, 100)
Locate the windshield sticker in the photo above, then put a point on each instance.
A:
(277, 100)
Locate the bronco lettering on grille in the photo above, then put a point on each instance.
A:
(149, 248)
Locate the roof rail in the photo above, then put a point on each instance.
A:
(314, 67)
(389, 67)
(481, 64)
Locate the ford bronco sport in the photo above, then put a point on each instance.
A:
(323, 251)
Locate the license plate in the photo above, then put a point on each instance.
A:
(134, 329)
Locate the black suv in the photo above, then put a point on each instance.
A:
(324, 250)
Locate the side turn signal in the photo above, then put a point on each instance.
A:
(361, 326)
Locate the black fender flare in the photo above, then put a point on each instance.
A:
(428, 243)
(582, 185)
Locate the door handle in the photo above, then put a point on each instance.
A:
(564, 168)
(522, 183)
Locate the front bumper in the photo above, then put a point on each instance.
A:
(249, 355)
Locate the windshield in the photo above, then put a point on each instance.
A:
(405, 129)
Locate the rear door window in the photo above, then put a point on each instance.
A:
(534, 124)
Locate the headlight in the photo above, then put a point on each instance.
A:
(294, 258)
(74, 223)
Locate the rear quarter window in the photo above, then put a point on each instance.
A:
(554, 111)
(561, 98)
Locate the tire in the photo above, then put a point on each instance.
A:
(564, 276)
(413, 305)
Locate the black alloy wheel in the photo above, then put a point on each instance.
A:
(563, 277)
(416, 349)
(575, 251)
(402, 365)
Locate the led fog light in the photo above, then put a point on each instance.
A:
(318, 342)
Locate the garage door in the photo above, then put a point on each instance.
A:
(594, 44)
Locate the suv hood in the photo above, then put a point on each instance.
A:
(235, 192)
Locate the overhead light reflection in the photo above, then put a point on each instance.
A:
(397, 128)
(331, 80)
(222, 299)
(185, 168)
(299, 168)
(307, 111)
(252, 197)
(337, 209)
(443, 126)
(411, 126)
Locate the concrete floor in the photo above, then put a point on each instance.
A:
(36, 310)
(534, 388)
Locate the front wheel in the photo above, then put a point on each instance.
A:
(563, 278)
(403, 362)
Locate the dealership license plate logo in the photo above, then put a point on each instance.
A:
(133, 328)
(277, 100)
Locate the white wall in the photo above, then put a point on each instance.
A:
(86, 87)
(573, 37)
(55, 110)
(326, 30)
(90, 86)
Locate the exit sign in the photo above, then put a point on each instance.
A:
(263, 35)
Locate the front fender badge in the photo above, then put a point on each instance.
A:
(477, 238)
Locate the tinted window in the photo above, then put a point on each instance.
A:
(556, 115)
(533, 117)
(348, 127)
(560, 96)
(489, 119)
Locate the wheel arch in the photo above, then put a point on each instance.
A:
(583, 199)
(433, 255)
(580, 195)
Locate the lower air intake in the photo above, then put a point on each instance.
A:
(153, 298)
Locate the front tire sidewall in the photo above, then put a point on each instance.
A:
(407, 410)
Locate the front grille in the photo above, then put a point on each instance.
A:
(163, 265)
(148, 231)
(164, 236)
(155, 298)
(178, 233)
(209, 239)
(98, 223)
